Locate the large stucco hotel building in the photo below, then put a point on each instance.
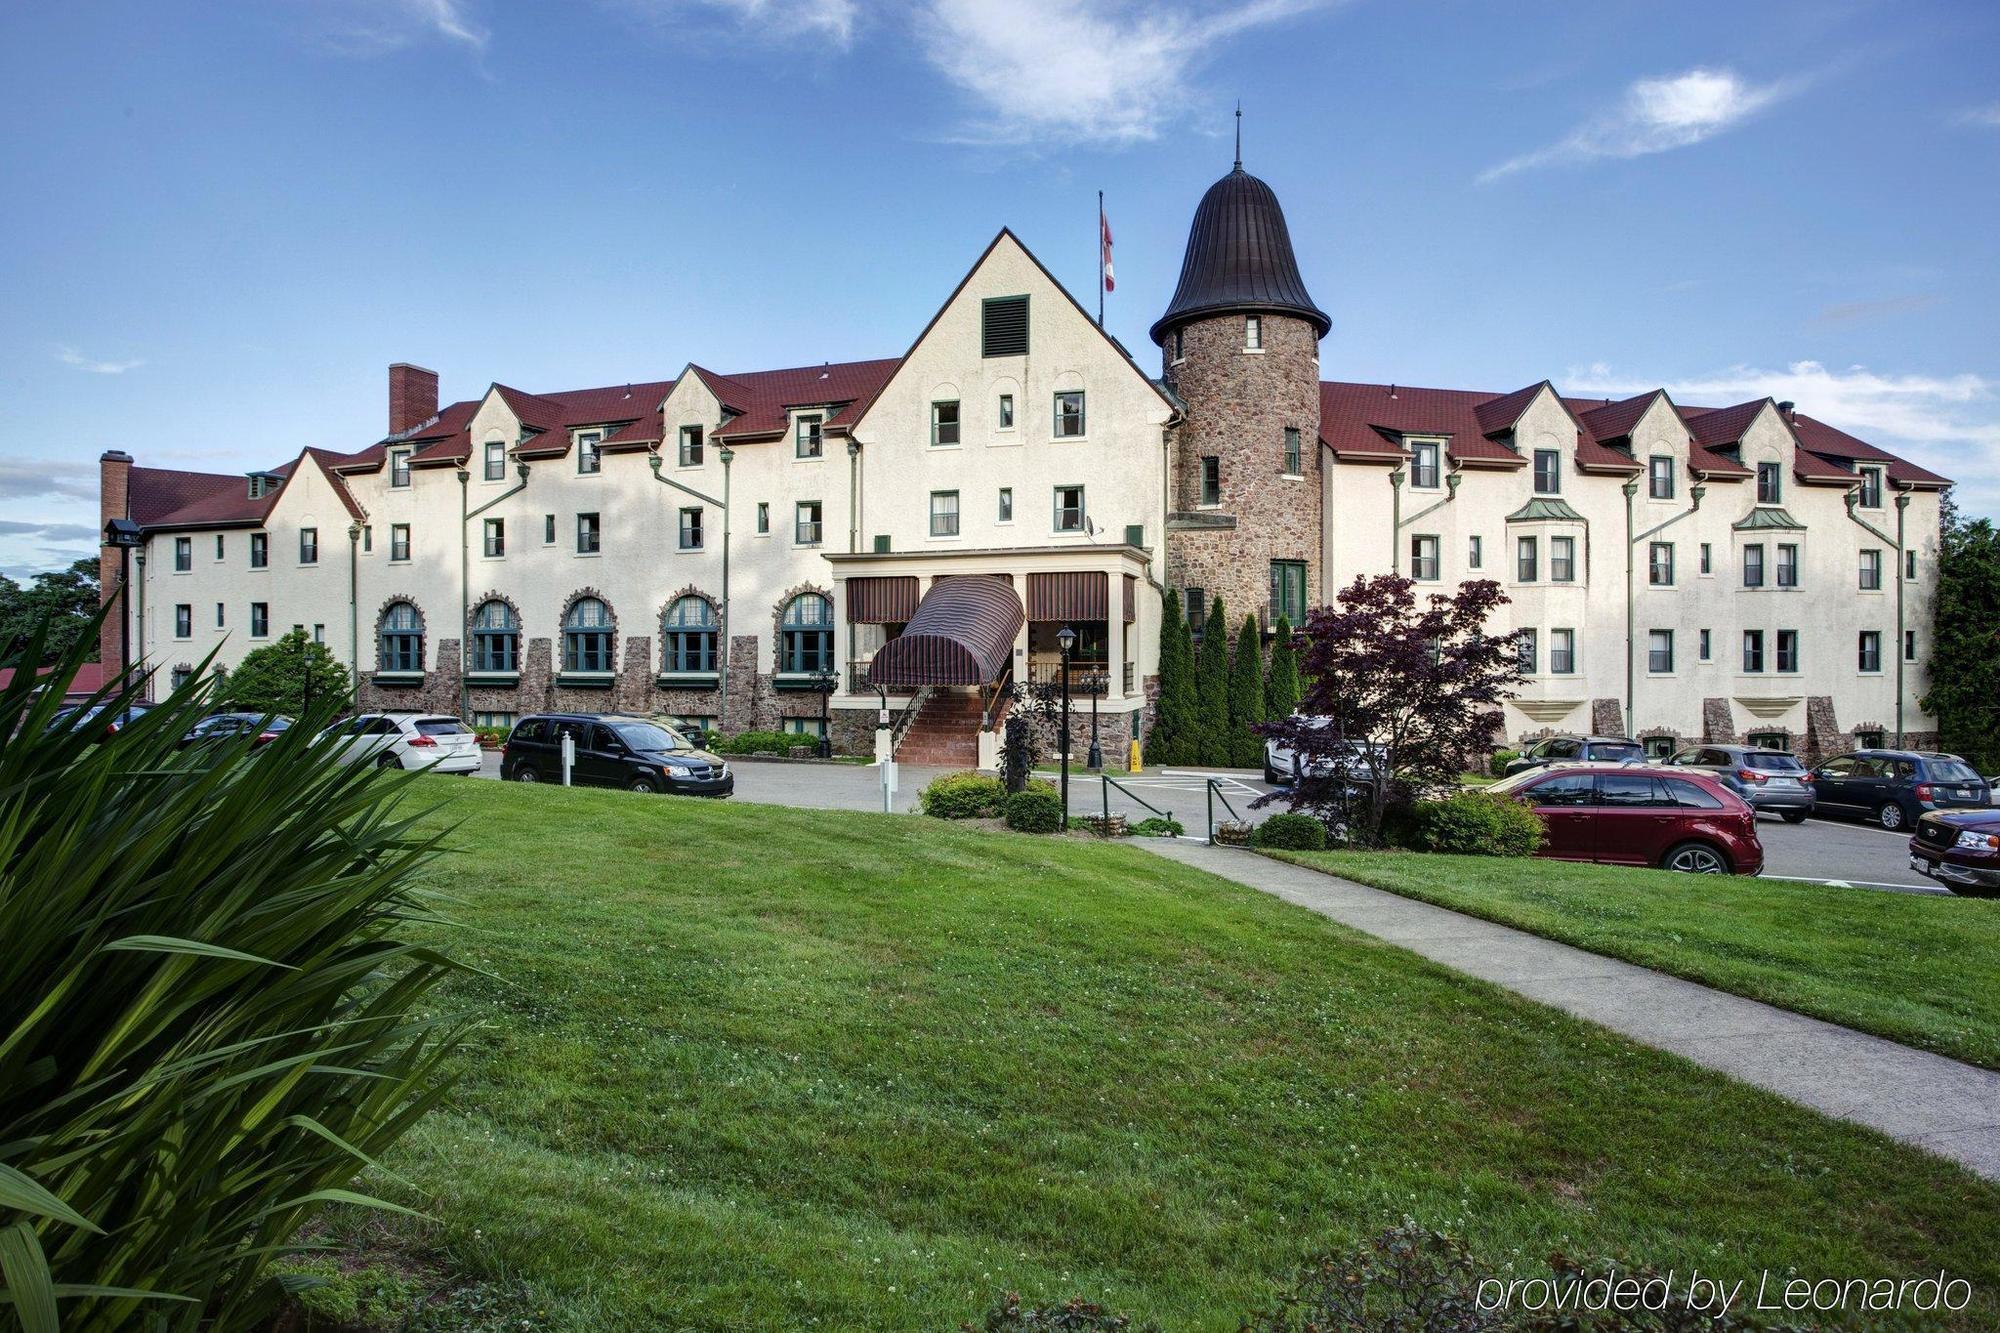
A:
(727, 548)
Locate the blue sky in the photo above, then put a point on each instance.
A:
(226, 220)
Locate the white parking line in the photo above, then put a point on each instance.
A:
(1860, 884)
(1861, 827)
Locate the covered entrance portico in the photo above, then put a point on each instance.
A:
(913, 639)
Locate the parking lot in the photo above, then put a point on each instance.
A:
(1836, 853)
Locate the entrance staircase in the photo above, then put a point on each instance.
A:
(945, 733)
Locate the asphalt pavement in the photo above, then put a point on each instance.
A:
(1837, 853)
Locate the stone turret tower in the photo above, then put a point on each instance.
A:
(1240, 347)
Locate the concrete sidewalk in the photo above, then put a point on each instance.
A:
(1938, 1104)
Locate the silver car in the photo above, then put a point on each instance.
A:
(433, 741)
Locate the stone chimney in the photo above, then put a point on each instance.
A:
(413, 396)
(114, 500)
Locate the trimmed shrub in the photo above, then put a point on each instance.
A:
(758, 742)
(963, 796)
(1497, 765)
(1281, 686)
(1475, 823)
(1157, 826)
(1290, 833)
(1036, 810)
(1211, 673)
(1246, 697)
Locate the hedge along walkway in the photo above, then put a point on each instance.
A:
(1938, 1104)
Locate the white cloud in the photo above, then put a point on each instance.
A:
(32, 478)
(69, 356)
(1980, 117)
(1947, 423)
(1658, 114)
(822, 20)
(374, 27)
(1079, 71)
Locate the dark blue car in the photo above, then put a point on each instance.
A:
(1895, 788)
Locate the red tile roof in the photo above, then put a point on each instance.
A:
(1361, 421)
(88, 680)
(764, 399)
(1833, 444)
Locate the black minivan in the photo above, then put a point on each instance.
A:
(1895, 787)
(612, 751)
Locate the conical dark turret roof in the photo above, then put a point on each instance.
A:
(1239, 258)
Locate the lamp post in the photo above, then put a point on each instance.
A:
(826, 682)
(123, 534)
(1098, 684)
(1065, 640)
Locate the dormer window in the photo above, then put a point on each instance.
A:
(399, 468)
(263, 483)
(587, 457)
(1660, 477)
(1871, 488)
(1770, 483)
(806, 435)
(1424, 464)
(1253, 333)
(1548, 472)
(496, 460)
(690, 446)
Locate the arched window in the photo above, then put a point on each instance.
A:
(402, 646)
(688, 633)
(587, 636)
(805, 642)
(496, 637)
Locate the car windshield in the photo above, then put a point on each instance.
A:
(440, 726)
(1616, 751)
(1518, 780)
(650, 736)
(1952, 770)
(1774, 763)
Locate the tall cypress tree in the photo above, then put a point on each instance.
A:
(1174, 716)
(1281, 694)
(1246, 697)
(1212, 689)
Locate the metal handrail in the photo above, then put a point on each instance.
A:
(908, 718)
(1108, 783)
(1214, 791)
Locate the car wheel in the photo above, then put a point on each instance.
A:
(1794, 816)
(1271, 776)
(526, 773)
(1890, 816)
(1695, 858)
(643, 785)
(387, 761)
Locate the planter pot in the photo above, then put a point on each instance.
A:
(1232, 833)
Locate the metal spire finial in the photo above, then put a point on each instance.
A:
(1239, 134)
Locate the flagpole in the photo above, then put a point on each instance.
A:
(1100, 259)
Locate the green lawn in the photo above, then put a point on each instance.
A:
(1918, 969)
(753, 1067)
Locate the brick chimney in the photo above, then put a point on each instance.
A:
(114, 500)
(413, 396)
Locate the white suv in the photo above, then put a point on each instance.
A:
(405, 740)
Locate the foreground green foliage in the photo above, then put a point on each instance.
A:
(287, 677)
(209, 1021)
(1914, 968)
(963, 796)
(758, 1068)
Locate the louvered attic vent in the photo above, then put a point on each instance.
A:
(1005, 330)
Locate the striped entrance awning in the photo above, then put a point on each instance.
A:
(962, 633)
(1083, 596)
(887, 599)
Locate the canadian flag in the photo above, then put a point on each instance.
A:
(1104, 225)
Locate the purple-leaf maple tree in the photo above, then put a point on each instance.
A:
(1398, 696)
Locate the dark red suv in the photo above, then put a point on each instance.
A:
(1676, 819)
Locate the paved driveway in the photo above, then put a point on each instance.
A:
(1837, 853)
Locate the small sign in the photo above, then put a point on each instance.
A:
(881, 717)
